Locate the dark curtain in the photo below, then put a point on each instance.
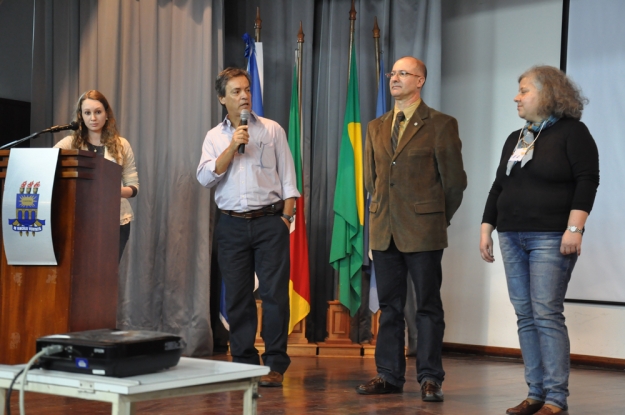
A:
(408, 27)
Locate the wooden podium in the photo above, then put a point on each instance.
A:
(80, 293)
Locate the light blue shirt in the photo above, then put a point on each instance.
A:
(263, 175)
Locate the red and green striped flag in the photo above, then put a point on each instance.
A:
(299, 285)
(347, 234)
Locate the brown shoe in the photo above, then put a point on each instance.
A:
(431, 392)
(549, 410)
(378, 386)
(525, 408)
(273, 379)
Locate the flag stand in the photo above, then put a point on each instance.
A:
(298, 344)
(338, 343)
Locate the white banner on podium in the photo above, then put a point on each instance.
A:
(26, 206)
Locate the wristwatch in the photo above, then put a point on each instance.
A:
(573, 228)
(289, 218)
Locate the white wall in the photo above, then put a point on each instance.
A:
(16, 38)
(486, 46)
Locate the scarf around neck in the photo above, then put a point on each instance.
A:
(527, 140)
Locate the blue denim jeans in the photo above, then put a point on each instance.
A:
(538, 276)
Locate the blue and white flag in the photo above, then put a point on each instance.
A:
(254, 55)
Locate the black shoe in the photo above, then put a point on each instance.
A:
(431, 392)
(378, 386)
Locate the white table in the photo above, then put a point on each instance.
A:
(190, 377)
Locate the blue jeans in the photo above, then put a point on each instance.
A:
(538, 276)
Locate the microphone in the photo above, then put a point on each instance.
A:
(245, 115)
(71, 126)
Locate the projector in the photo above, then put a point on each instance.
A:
(110, 352)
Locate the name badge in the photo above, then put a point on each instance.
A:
(518, 154)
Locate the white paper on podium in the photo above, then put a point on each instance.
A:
(27, 206)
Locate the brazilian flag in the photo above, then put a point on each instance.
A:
(346, 251)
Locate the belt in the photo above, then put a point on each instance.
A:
(269, 210)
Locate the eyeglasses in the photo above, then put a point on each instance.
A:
(402, 74)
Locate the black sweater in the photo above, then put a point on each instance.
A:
(562, 176)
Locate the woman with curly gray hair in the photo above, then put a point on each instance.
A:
(544, 189)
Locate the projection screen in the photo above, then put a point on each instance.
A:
(595, 60)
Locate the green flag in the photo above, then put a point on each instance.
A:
(346, 251)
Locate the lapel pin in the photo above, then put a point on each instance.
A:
(415, 124)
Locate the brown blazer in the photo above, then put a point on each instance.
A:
(416, 191)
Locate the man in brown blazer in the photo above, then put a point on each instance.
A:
(414, 173)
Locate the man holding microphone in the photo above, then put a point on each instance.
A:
(248, 161)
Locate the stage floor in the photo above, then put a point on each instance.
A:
(325, 386)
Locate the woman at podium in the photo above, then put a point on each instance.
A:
(97, 132)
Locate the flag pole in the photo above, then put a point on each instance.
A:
(258, 25)
(352, 26)
(369, 349)
(300, 60)
(300, 53)
(376, 41)
(258, 342)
